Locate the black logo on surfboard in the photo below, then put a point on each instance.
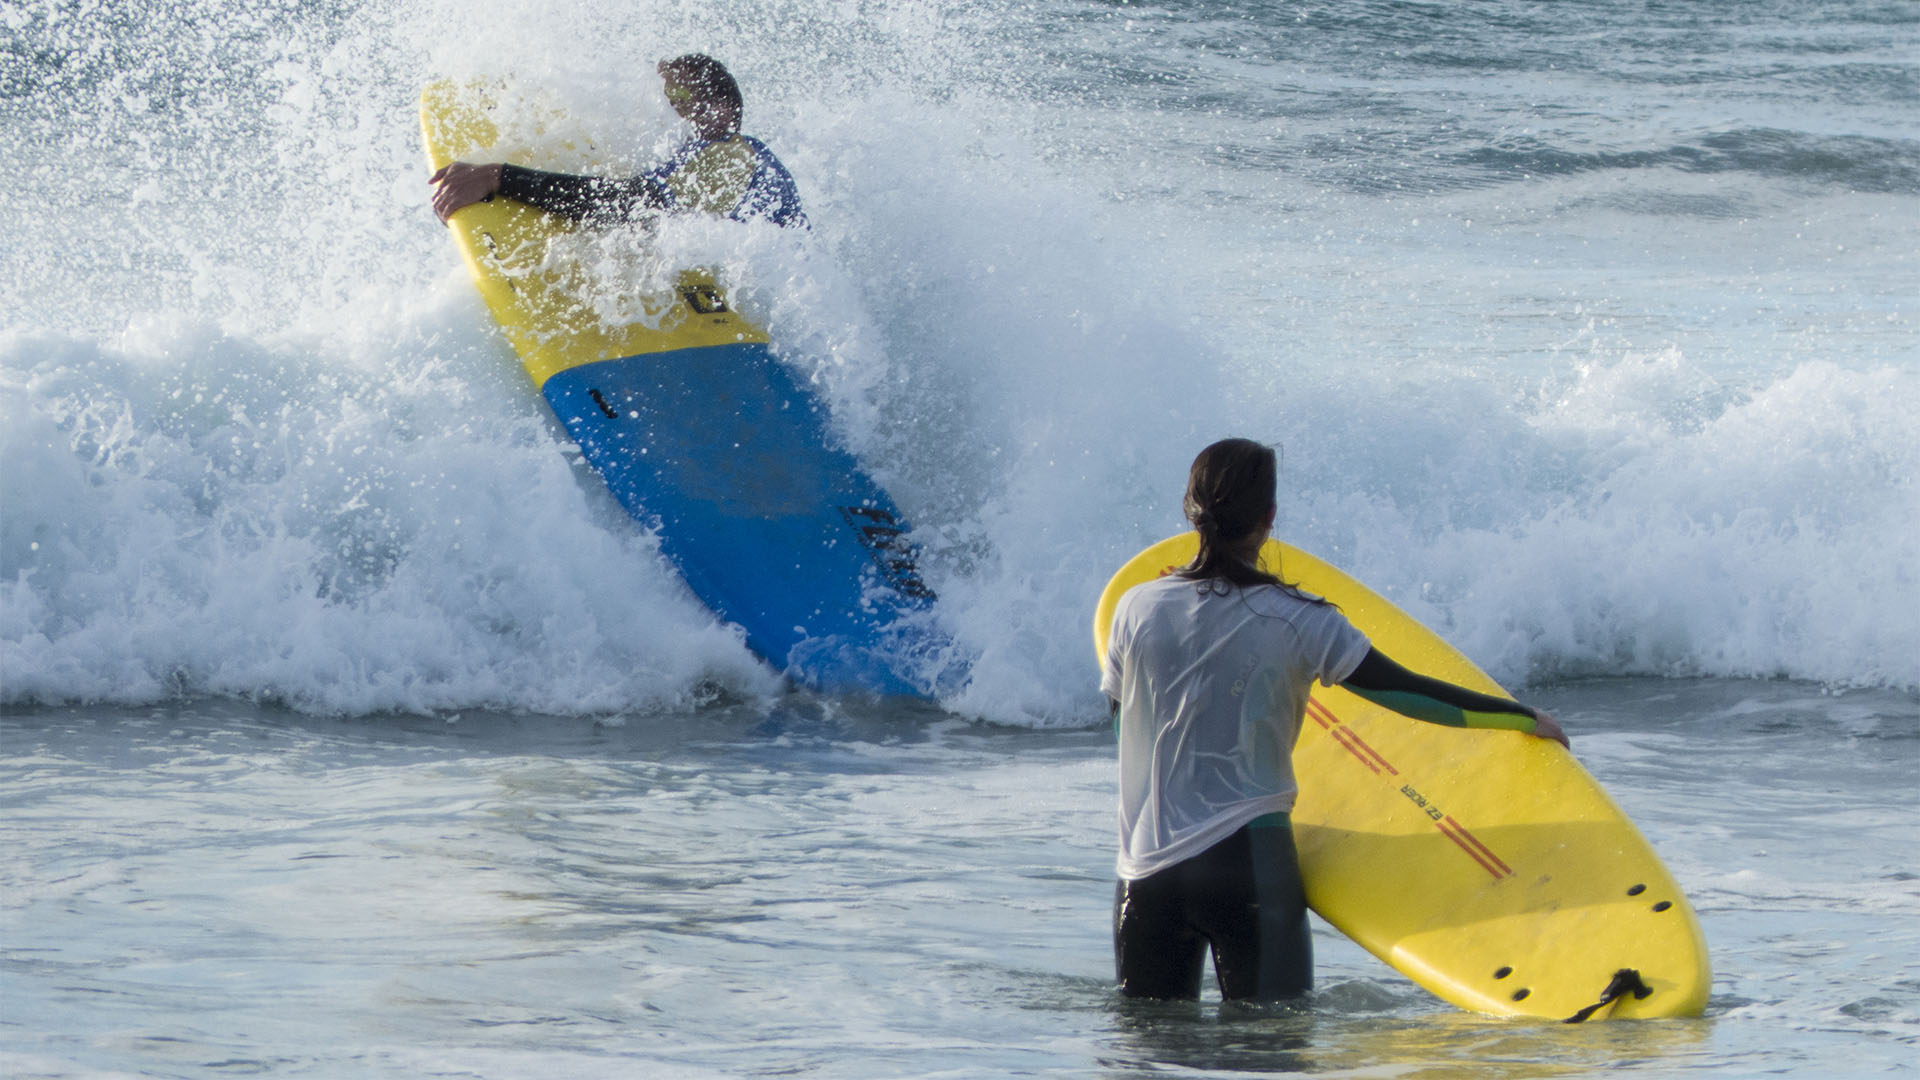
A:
(879, 532)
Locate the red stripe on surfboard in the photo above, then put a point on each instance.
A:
(1373, 759)
(1327, 719)
(1468, 848)
(1475, 841)
(1384, 763)
(1342, 738)
(1321, 713)
(1472, 846)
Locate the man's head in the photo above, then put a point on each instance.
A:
(703, 93)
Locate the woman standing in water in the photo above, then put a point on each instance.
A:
(1208, 671)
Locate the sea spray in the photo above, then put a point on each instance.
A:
(1639, 408)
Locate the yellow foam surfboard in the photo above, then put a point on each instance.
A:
(544, 304)
(1487, 866)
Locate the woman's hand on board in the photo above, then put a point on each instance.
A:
(1546, 727)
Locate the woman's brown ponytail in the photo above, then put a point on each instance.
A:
(1230, 499)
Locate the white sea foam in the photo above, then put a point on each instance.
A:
(273, 450)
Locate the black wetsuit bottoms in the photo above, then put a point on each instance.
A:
(1242, 897)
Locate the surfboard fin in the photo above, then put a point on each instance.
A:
(1625, 981)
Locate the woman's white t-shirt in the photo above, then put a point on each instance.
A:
(1212, 687)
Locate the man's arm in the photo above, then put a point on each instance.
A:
(1384, 682)
(576, 197)
(599, 198)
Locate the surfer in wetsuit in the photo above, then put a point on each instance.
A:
(718, 171)
(1207, 672)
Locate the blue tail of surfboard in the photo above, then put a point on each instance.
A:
(773, 525)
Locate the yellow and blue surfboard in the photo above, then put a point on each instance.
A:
(700, 432)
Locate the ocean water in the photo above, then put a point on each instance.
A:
(351, 729)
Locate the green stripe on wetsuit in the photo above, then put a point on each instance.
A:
(1422, 707)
